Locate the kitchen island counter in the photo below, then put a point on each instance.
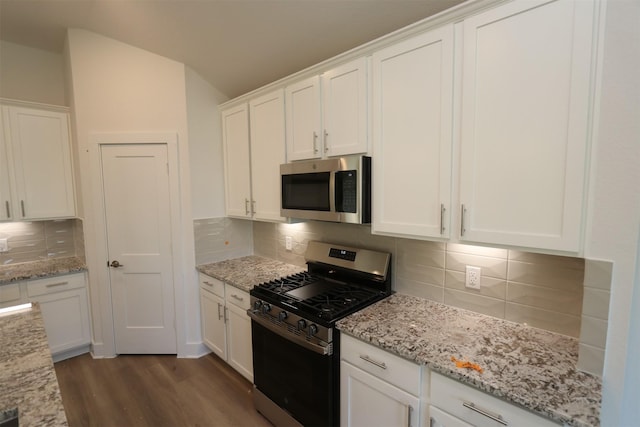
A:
(246, 272)
(523, 365)
(27, 377)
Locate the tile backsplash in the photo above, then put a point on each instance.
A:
(561, 294)
(40, 240)
(217, 239)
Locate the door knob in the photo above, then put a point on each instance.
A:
(115, 264)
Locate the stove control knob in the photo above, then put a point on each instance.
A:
(313, 329)
(266, 307)
(282, 315)
(257, 304)
(302, 324)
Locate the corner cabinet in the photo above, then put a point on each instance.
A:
(377, 387)
(326, 115)
(525, 123)
(412, 136)
(35, 160)
(237, 172)
(226, 327)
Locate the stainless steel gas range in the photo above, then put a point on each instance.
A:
(296, 347)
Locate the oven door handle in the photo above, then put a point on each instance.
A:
(297, 339)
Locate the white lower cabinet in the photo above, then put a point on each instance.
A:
(65, 310)
(226, 327)
(454, 404)
(378, 388)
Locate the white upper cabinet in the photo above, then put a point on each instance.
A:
(304, 120)
(412, 137)
(235, 137)
(327, 114)
(344, 101)
(267, 153)
(6, 198)
(524, 136)
(36, 161)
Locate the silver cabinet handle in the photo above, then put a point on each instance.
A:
(442, 210)
(6, 205)
(253, 207)
(207, 283)
(237, 297)
(326, 147)
(462, 212)
(22, 207)
(409, 412)
(373, 362)
(315, 142)
(495, 417)
(53, 285)
(226, 314)
(219, 315)
(246, 206)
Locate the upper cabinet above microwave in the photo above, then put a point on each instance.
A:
(327, 114)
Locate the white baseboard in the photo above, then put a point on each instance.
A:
(193, 351)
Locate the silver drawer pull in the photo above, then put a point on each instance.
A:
(207, 283)
(53, 285)
(237, 297)
(373, 362)
(6, 205)
(495, 417)
(409, 412)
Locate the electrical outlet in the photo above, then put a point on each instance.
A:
(4, 245)
(472, 277)
(288, 243)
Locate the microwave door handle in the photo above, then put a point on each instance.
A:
(332, 192)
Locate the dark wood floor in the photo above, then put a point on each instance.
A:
(155, 391)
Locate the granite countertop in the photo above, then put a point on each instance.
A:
(38, 269)
(530, 367)
(27, 377)
(246, 272)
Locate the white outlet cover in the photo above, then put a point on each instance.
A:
(472, 277)
(288, 243)
(4, 244)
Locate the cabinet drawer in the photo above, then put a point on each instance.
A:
(393, 369)
(210, 284)
(237, 297)
(457, 398)
(10, 293)
(54, 284)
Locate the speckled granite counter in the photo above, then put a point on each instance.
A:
(27, 377)
(523, 365)
(38, 269)
(246, 272)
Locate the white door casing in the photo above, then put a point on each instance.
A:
(138, 227)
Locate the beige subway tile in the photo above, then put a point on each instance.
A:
(477, 250)
(489, 286)
(266, 248)
(547, 275)
(591, 359)
(534, 258)
(419, 289)
(597, 274)
(593, 331)
(596, 303)
(419, 253)
(422, 274)
(478, 303)
(545, 298)
(491, 267)
(561, 323)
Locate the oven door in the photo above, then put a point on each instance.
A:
(302, 382)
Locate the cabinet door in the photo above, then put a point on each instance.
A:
(525, 111)
(66, 319)
(235, 138)
(239, 347)
(368, 401)
(267, 153)
(303, 120)
(344, 102)
(6, 201)
(213, 324)
(41, 154)
(438, 418)
(412, 141)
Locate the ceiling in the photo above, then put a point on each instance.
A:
(236, 45)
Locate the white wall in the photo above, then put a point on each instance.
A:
(205, 147)
(614, 222)
(117, 88)
(30, 74)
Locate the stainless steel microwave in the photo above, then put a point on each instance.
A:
(336, 189)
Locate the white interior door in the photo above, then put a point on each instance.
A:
(138, 221)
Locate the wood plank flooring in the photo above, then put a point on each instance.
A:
(155, 391)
